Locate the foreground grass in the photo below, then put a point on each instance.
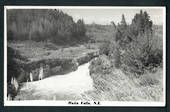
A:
(111, 84)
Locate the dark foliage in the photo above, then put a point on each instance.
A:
(11, 91)
(13, 65)
(137, 53)
(43, 25)
(105, 48)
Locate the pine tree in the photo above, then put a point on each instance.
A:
(123, 22)
(141, 24)
(81, 27)
(121, 30)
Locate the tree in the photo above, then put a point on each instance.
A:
(140, 54)
(141, 24)
(123, 22)
(121, 32)
(81, 30)
(135, 40)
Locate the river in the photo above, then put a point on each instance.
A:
(60, 87)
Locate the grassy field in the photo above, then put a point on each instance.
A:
(100, 33)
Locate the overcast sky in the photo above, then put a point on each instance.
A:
(105, 16)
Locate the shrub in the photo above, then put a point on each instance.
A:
(117, 57)
(141, 56)
(11, 90)
(113, 51)
(104, 48)
(100, 65)
(155, 58)
(13, 65)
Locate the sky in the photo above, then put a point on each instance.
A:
(105, 16)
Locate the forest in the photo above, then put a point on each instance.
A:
(44, 25)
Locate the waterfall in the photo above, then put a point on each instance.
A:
(9, 97)
(31, 77)
(14, 82)
(40, 77)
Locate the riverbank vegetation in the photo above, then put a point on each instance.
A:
(126, 59)
(131, 67)
(113, 84)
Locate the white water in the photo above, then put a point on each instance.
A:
(75, 82)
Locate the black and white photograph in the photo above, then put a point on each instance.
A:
(84, 56)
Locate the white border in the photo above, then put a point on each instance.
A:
(65, 103)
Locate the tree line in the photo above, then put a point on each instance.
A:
(44, 25)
